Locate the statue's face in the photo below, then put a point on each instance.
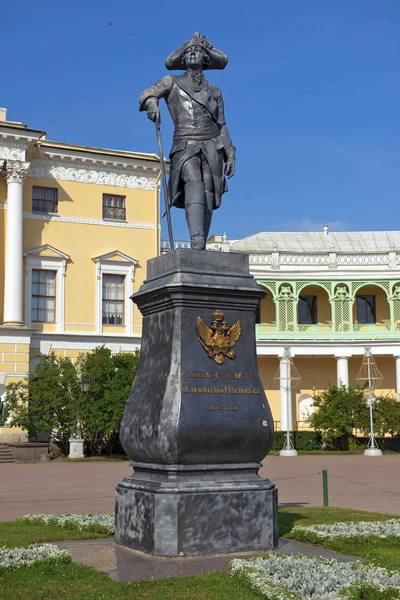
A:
(194, 57)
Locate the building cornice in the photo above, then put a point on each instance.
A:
(336, 348)
(12, 128)
(58, 147)
(94, 171)
(67, 162)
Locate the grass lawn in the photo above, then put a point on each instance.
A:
(15, 534)
(383, 552)
(76, 582)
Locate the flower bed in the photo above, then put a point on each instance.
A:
(279, 577)
(22, 557)
(97, 523)
(362, 529)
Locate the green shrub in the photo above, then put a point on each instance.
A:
(47, 401)
(50, 399)
(339, 411)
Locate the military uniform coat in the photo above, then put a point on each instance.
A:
(200, 128)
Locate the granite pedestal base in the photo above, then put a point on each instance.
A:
(197, 423)
(172, 510)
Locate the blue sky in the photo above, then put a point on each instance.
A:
(311, 91)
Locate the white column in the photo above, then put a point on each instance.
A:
(398, 377)
(285, 394)
(13, 279)
(342, 370)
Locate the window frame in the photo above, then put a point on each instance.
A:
(308, 307)
(113, 208)
(103, 299)
(44, 212)
(115, 263)
(46, 296)
(364, 297)
(52, 263)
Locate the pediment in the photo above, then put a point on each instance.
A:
(114, 256)
(47, 250)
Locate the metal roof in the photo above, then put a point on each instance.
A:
(314, 241)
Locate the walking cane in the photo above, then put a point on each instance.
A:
(164, 180)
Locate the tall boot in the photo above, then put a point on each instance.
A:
(208, 210)
(194, 210)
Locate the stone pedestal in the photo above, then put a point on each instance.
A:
(76, 447)
(197, 422)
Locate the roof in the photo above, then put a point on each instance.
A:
(94, 150)
(304, 241)
(17, 125)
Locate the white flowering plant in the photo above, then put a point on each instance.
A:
(15, 558)
(103, 523)
(280, 577)
(361, 530)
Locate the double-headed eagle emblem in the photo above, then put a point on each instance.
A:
(219, 339)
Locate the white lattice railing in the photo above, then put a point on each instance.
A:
(293, 258)
(323, 259)
(326, 259)
(260, 259)
(363, 258)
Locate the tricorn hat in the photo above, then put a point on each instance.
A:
(217, 59)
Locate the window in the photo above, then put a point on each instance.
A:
(113, 299)
(307, 310)
(366, 310)
(114, 207)
(44, 200)
(114, 269)
(43, 306)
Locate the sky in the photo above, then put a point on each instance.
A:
(311, 92)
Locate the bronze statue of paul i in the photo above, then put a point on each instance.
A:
(202, 152)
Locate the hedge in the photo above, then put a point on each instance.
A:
(302, 440)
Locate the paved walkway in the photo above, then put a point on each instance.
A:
(124, 564)
(368, 483)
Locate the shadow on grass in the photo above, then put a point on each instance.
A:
(287, 520)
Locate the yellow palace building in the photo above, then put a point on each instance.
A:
(78, 226)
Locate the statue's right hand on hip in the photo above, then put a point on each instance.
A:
(153, 112)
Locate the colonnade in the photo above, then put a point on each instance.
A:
(342, 372)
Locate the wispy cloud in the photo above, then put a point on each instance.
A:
(310, 225)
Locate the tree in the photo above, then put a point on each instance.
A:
(47, 401)
(340, 410)
(387, 415)
(50, 399)
(102, 407)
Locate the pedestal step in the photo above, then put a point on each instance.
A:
(6, 454)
